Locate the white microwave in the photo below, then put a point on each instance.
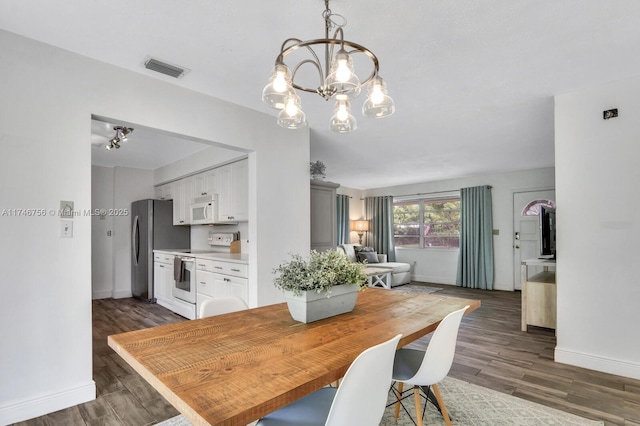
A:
(204, 211)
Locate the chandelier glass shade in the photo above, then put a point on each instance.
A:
(337, 79)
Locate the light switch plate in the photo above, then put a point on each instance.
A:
(66, 229)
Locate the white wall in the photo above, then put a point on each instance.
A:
(101, 242)
(114, 188)
(48, 98)
(440, 265)
(597, 175)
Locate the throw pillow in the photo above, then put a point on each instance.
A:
(368, 256)
(361, 249)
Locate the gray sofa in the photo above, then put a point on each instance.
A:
(400, 274)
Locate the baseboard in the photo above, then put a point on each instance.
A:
(28, 409)
(592, 362)
(432, 279)
(122, 294)
(101, 295)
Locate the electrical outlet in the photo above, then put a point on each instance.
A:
(66, 229)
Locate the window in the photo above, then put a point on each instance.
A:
(427, 222)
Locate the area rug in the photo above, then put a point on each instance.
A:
(417, 288)
(471, 405)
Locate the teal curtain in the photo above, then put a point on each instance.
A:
(342, 204)
(475, 262)
(379, 212)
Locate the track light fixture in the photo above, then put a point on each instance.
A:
(337, 79)
(120, 136)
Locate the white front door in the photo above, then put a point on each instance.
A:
(526, 238)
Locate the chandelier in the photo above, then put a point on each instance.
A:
(337, 79)
(120, 136)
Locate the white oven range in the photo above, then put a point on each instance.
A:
(184, 286)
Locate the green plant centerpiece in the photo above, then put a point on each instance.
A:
(324, 285)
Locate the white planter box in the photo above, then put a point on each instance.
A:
(311, 306)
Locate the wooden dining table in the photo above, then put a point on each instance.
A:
(234, 368)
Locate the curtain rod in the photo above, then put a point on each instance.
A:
(435, 192)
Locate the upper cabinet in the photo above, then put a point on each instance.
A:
(164, 192)
(230, 184)
(205, 183)
(182, 198)
(233, 192)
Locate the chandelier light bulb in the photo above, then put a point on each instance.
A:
(280, 83)
(377, 96)
(291, 108)
(342, 113)
(378, 104)
(342, 120)
(343, 73)
(342, 79)
(279, 88)
(292, 116)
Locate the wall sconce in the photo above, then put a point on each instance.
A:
(360, 226)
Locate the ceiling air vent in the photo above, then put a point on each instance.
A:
(164, 68)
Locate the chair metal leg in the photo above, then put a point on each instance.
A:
(443, 409)
(416, 396)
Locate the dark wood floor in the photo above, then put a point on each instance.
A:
(492, 352)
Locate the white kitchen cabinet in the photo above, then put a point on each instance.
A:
(227, 285)
(233, 192)
(205, 183)
(164, 192)
(217, 278)
(183, 190)
(163, 279)
(230, 279)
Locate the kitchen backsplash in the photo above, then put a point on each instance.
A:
(200, 235)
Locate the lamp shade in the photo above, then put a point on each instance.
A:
(359, 225)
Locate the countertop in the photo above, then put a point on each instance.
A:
(206, 254)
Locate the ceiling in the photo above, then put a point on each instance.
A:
(473, 81)
(144, 148)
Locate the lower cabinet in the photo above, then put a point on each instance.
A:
(163, 279)
(216, 278)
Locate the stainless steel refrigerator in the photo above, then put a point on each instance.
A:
(151, 229)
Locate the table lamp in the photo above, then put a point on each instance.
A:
(360, 226)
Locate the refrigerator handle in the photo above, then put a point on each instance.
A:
(135, 237)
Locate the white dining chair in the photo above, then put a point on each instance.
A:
(425, 369)
(360, 399)
(221, 305)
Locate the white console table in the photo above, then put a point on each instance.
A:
(538, 294)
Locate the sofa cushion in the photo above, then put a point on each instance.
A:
(395, 266)
(368, 256)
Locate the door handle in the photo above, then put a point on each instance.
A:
(517, 246)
